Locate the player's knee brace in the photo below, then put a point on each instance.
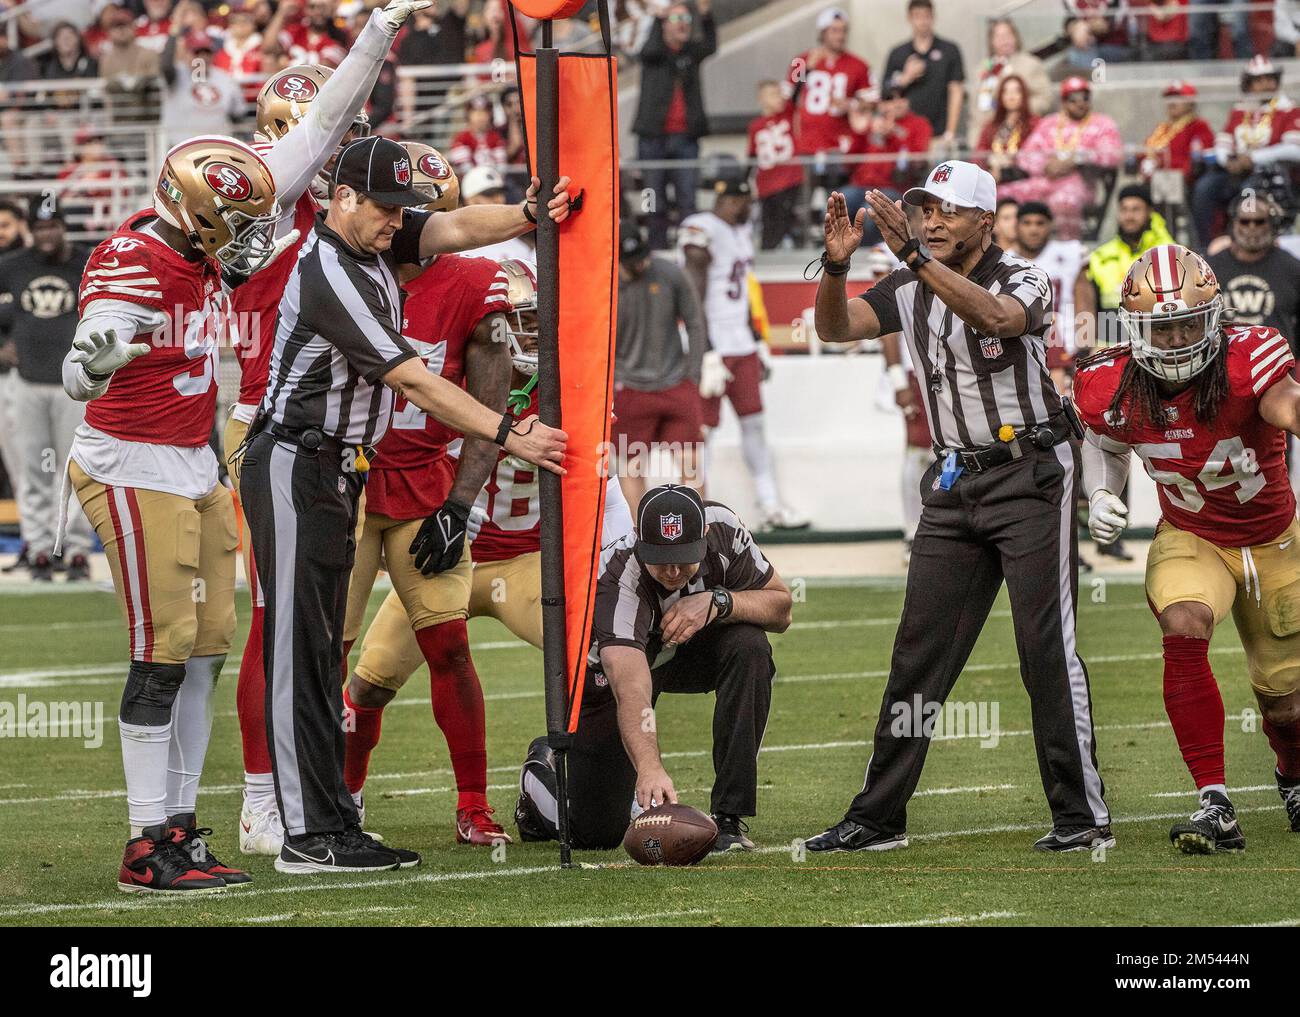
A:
(150, 691)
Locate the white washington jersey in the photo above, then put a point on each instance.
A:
(726, 302)
(1062, 260)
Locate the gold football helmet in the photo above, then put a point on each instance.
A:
(522, 294)
(283, 101)
(220, 193)
(1167, 287)
(434, 175)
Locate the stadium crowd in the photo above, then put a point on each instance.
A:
(827, 120)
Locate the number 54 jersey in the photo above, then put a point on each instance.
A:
(1224, 480)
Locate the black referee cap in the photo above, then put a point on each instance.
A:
(670, 526)
(381, 170)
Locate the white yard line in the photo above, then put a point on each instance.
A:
(983, 916)
(622, 919)
(1280, 924)
(290, 915)
(1189, 793)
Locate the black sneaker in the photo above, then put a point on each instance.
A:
(1212, 828)
(1290, 792)
(731, 834)
(1115, 550)
(334, 852)
(78, 570)
(362, 839)
(42, 569)
(189, 837)
(533, 826)
(1076, 840)
(851, 836)
(23, 561)
(152, 863)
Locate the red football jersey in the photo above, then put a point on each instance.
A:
(411, 475)
(1250, 128)
(514, 508)
(771, 144)
(1225, 481)
(257, 306)
(829, 80)
(307, 46)
(168, 397)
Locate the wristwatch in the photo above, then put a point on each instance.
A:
(722, 602)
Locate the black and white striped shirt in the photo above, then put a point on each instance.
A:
(974, 383)
(630, 605)
(338, 334)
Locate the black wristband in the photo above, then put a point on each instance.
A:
(96, 378)
(832, 267)
(527, 212)
(909, 248)
(503, 432)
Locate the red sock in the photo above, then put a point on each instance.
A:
(1285, 741)
(457, 706)
(1195, 707)
(250, 700)
(360, 738)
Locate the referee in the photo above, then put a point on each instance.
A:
(998, 501)
(339, 357)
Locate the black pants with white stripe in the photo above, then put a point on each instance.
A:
(302, 512)
(1014, 523)
(735, 662)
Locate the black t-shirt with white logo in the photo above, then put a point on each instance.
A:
(38, 310)
(1264, 292)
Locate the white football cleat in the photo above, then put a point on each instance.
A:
(782, 517)
(260, 830)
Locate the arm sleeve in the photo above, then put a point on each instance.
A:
(621, 617)
(881, 299)
(1105, 463)
(344, 310)
(1031, 287)
(127, 319)
(299, 155)
(406, 241)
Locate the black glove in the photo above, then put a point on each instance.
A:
(441, 540)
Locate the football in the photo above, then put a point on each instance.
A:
(670, 835)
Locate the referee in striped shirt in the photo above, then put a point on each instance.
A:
(339, 358)
(998, 501)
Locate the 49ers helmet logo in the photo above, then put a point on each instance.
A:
(296, 88)
(231, 183)
(432, 166)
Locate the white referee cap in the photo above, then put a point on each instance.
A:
(959, 183)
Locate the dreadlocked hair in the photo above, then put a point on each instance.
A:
(1137, 396)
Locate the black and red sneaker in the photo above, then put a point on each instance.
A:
(78, 570)
(189, 837)
(42, 569)
(152, 863)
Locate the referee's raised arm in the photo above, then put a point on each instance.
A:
(836, 318)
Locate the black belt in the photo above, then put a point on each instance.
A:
(986, 457)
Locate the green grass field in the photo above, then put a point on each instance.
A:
(63, 813)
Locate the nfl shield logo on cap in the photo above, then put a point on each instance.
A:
(942, 173)
(957, 183)
(670, 526)
(402, 172)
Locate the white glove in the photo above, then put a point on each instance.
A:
(101, 354)
(713, 375)
(1107, 517)
(764, 361)
(477, 517)
(395, 14)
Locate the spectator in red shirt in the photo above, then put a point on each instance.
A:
(313, 38)
(1012, 122)
(872, 133)
(154, 25)
(500, 41)
(917, 136)
(820, 83)
(778, 179)
(479, 144)
(95, 186)
(1162, 30)
(240, 54)
(1179, 140)
(1109, 22)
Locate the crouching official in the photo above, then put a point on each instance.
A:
(683, 604)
